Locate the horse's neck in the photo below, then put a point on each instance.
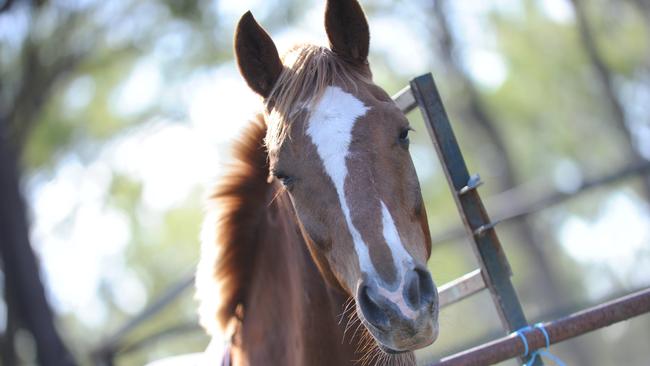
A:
(291, 314)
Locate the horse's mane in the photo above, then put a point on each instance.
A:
(236, 203)
(228, 238)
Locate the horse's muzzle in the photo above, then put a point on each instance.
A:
(404, 318)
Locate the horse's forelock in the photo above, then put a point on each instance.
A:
(308, 71)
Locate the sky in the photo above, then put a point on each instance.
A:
(172, 159)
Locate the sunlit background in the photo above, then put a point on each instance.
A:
(123, 112)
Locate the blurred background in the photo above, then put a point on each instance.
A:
(116, 116)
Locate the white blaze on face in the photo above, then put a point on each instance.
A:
(399, 253)
(394, 242)
(330, 129)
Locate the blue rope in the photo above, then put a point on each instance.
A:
(521, 335)
(540, 352)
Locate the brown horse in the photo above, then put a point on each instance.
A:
(317, 240)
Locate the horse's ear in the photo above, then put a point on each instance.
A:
(347, 30)
(257, 56)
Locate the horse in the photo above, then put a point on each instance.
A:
(316, 239)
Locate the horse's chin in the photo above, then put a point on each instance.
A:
(427, 336)
(390, 351)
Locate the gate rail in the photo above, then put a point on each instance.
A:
(559, 330)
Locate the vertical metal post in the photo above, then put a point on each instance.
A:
(485, 243)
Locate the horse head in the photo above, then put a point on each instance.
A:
(339, 146)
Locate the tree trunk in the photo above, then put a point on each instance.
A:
(22, 281)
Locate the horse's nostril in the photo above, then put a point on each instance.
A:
(428, 291)
(371, 310)
(412, 289)
(419, 290)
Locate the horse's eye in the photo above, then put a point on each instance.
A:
(285, 179)
(404, 136)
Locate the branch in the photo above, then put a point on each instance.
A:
(114, 341)
(522, 201)
(166, 333)
(605, 76)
